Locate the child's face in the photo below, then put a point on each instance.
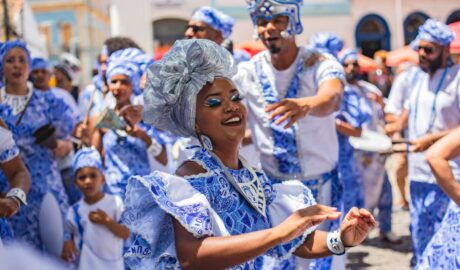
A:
(89, 180)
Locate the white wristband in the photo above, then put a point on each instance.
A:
(334, 243)
(155, 149)
(18, 194)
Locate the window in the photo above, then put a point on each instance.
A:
(411, 24)
(372, 34)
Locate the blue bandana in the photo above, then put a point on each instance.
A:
(131, 62)
(268, 9)
(87, 157)
(39, 63)
(326, 42)
(216, 19)
(434, 31)
(349, 55)
(7, 46)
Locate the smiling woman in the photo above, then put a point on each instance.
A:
(218, 211)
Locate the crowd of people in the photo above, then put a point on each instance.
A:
(212, 159)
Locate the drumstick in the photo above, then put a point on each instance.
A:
(398, 141)
(86, 119)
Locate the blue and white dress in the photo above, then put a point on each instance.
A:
(354, 111)
(43, 108)
(443, 251)
(8, 151)
(206, 205)
(126, 156)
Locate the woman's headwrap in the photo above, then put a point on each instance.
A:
(87, 157)
(131, 62)
(40, 63)
(434, 31)
(216, 19)
(174, 82)
(349, 55)
(7, 46)
(267, 9)
(326, 42)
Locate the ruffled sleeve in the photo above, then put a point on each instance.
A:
(329, 69)
(290, 196)
(8, 149)
(151, 202)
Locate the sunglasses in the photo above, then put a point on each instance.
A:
(196, 28)
(428, 50)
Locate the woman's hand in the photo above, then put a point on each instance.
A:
(63, 148)
(356, 226)
(69, 251)
(9, 207)
(296, 224)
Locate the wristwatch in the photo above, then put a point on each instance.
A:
(18, 194)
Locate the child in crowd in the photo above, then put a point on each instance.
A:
(93, 235)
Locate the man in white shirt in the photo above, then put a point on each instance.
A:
(291, 93)
(433, 109)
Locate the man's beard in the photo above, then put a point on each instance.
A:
(274, 49)
(352, 77)
(433, 65)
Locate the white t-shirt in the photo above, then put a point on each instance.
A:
(316, 137)
(400, 90)
(447, 116)
(100, 248)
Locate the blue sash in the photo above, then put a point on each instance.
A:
(285, 142)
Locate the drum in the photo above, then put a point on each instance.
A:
(371, 141)
(51, 225)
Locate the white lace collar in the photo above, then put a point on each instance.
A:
(16, 102)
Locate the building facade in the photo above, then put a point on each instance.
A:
(369, 25)
(75, 26)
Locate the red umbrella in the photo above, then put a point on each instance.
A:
(455, 45)
(160, 52)
(401, 55)
(251, 46)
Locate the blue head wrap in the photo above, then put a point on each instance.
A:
(326, 42)
(216, 19)
(434, 31)
(87, 157)
(40, 63)
(131, 62)
(268, 9)
(174, 82)
(7, 46)
(349, 55)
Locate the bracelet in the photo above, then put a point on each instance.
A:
(155, 148)
(18, 194)
(334, 243)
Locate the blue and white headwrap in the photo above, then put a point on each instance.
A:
(40, 63)
(434, 31)
(131, 62)
(268, 9)
(326, 42)
(87, 157)
(174, 82)
(349, 55)
(216, 19)
(7, 46)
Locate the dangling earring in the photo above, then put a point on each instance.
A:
(206, 141)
